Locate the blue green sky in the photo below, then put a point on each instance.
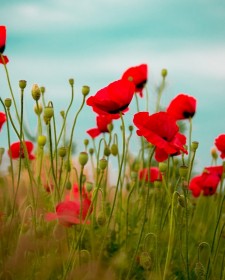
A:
(95, 41)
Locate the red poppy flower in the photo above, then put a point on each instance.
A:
(3, 60)
(161, 130)
(113, 99)
(102, 125)
(2, 119)
(182, 107)
(207, 182)
(68, 211)
(154, 174)
(220, 144)
(16, 150)
(139, 75)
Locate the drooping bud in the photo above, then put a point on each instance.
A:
(200, 270)
(145, 260)
(89, 186)
(101, 219)
(48, 113)
(114, 150)
(68, 185)
(83, 158)
(42, 89)
(85, 90)
(41, 140)
(38, 109)
(62, 113)
(71, 82)
(131, 128)
(35, 91)
(8, 102)
(22, 84)
(107, 151)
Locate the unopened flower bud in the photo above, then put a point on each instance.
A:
(41, 140)
(101, 219)
(38, 109)
(71, 82)
(68, 185)
(22, 84)
(164, 73)
(8, 102)
(157, 184)
(162, 167)
(91, 151)
(183, 171)
(89, 186)
(62, 113)
(35, 91)
(110, 127)
(114, 150)
(131, 128)
(107, 151)
(86, 142)
(200, 270)
(48, 112)
(145, 260)
(42, 89)
(85, 90)
(103, 163)
(194, 146)
(214, 153)
(62, 152)
(83, 158)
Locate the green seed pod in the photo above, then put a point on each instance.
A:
(22, 84)
(164, 73)
(71, 82)
(114, 150)
(146, 260)
(8, 102)
(107, 151)
(35, 91)
(183, 171)
(41, 140)
(86, 142)
(62, 152)
(85, 90)
(214, 153)
(131, 128)
(103, 163)
(194, 146)
(83, 158)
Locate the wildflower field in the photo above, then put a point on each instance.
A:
(62, 218)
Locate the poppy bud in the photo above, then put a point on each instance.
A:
(83, 158)
(200, 270)
(214, 153)
(162, 167)
(157, 184)
(183, 170)
(101, 219)
(91, 151)
(107, 151)
(62, 113)
(114, 150)
(131, 128)
(41, 140)
(62, 152)
(68, 185)
(42, 89)
(85, 90)
(103, 163)
(35, 91)
(38, 110)
(145, 260)
(194, 146)
(164, 73)
(86, 142)
(71, 81)
(110, 127)
(48, 112)
(8, 102)
(22, 84)
(89, 186)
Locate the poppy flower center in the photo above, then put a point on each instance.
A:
(141, 84)
(119, 109)
(2, 48)
(188, 115)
